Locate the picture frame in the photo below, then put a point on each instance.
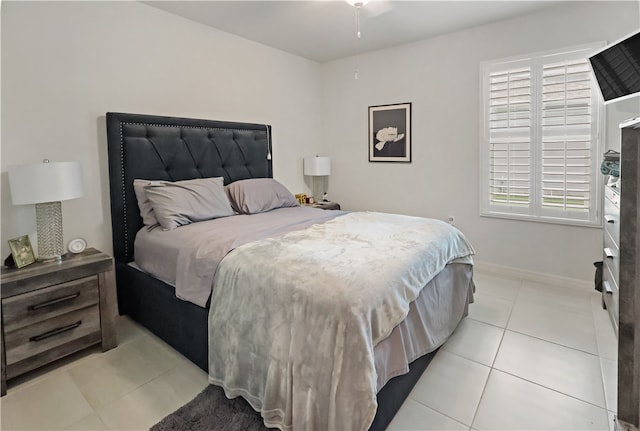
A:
(22, 251)
(390, 133)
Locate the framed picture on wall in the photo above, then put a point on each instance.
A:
(390, 133)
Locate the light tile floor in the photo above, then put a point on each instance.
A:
(528, 356)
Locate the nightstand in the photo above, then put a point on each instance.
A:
(53, 309)
(326, 205)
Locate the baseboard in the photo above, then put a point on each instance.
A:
(533, 276)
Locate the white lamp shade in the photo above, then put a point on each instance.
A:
(317, 166)
(45, 182)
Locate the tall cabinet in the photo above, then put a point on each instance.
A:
(629, 277)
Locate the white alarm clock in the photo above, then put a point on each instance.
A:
(76, 245)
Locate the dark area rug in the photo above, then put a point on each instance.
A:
(211, 410)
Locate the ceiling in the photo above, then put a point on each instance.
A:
(325, 30)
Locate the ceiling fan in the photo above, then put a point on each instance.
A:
(375, 9)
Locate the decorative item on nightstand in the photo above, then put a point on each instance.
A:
(76, 245)
(21, 251)
(46, 184)
(318, 167)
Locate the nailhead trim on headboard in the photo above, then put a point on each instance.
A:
(117, 123)
(124, 193)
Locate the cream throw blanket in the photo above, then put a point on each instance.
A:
(294, 319)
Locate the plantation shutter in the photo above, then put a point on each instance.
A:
(541, 124)
(568, 138)
(510, 114)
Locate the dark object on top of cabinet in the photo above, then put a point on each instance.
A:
(598, 277)
(9, 262)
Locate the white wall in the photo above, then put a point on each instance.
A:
(440, 76)
(65, 64)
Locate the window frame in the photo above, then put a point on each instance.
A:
(535, 211)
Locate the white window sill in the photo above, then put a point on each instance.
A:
(541, 219)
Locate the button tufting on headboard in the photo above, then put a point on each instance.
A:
(173, 149)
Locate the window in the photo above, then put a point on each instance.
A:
(542, 122)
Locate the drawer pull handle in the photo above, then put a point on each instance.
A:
(56, 331)
(54, 301)
(609, 219)
(607, 287)
(609, 253)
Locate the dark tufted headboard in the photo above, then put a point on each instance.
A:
(169, 148)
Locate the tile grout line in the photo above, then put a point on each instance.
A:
(133, 389)
(111, 403)
(504, 329)
(484, 388)
(486, 323)
(82, 356)
(553, 342)
(551, 389)
(444, 414)
(492, 368)
(561, 345)
(437, 411)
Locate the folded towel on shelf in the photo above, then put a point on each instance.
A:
(610, 168)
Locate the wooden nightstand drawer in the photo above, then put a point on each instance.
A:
(53, 309)
(40, 337)
(23, 310)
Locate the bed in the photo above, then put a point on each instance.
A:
(177, 149)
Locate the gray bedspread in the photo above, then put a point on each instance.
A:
(294, 319)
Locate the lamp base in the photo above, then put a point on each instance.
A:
(319, 188)
(49, 259)
(49, 227)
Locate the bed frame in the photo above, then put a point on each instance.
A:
(173, 149)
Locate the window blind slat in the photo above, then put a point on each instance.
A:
(566, 94)
(540, 136)
(510, 113)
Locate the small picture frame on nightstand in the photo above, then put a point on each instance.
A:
(22, 251)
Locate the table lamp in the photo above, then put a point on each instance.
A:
(46, 184)
(317, 167)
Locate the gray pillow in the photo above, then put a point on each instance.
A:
(258, 195)
(184, 202)
(146, 210)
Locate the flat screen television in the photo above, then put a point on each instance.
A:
(617, 69)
